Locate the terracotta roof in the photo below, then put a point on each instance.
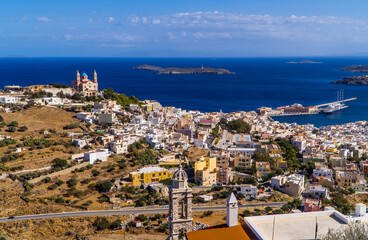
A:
(219, 233)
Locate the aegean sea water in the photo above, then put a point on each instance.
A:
(258, 82)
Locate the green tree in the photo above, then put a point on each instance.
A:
(61, 163)
(14, 124)
(104, 186)
(72, 182)
(101, 223)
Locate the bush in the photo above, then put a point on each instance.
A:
(142, 217)
(61, 163)
(7, 141)
(116, 224)
(268, 209)
(86, 181)
(351, 190)
(59, 182)
(52, 186)
(101, 223)
(46, 180)
(72, 182)
(95, 172)
(104, 186)
(23, 129)
(72, 125)
(13, 124)
(207, 213)
(353, 231)
(12, 129)
(60, 200)
(28, 186)
(247, 213)
(277, 211)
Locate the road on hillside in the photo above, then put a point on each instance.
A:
(127, 212)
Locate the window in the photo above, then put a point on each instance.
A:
(164, 173)
(153, 175)
(159, 174)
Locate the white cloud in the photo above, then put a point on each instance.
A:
(171, 36)
(133, 19)
(156, 21)
(110, 19)
(68, 37)
(211, 25)
(44, 19)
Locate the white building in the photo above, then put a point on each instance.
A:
(79, 142)
(205, 198)
(118, 146)
(55, 101)
(299, 143)
(248, 190)
(99, 154)
(322, 172)
(317, 191)
(108, 118)
(7, 99)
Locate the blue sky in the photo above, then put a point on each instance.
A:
(201, 28)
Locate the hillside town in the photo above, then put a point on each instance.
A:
(154, 152)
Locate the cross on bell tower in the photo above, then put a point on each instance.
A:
(180, 206)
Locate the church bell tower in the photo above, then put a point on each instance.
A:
(95, 76)
(232, 211)
(180, 206)
(78, 78)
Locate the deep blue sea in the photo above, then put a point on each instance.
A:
(257, 82)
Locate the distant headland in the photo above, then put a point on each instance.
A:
(304, 61)
(355, 80)
(175, 70)
(358, 80)
(356, 68)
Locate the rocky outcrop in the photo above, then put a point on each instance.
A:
(356, 68)
(304, 61)
(359, 80)
(174, 70)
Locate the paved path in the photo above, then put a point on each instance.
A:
(127, 212)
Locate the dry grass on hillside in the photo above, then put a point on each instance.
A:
(41, 118)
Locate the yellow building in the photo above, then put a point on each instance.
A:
(345, 179)
(205, 171)
(263, 169)
(242, 160)
(148, 175)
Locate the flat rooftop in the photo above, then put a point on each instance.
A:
(294, 225)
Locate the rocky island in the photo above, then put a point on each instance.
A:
(355, 80)
(358, 80)
(356, 68)
(175, 70)
(304, 61)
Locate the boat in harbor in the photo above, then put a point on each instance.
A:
(337, 106)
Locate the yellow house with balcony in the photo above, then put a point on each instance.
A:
(146, 175)
(205, 171)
